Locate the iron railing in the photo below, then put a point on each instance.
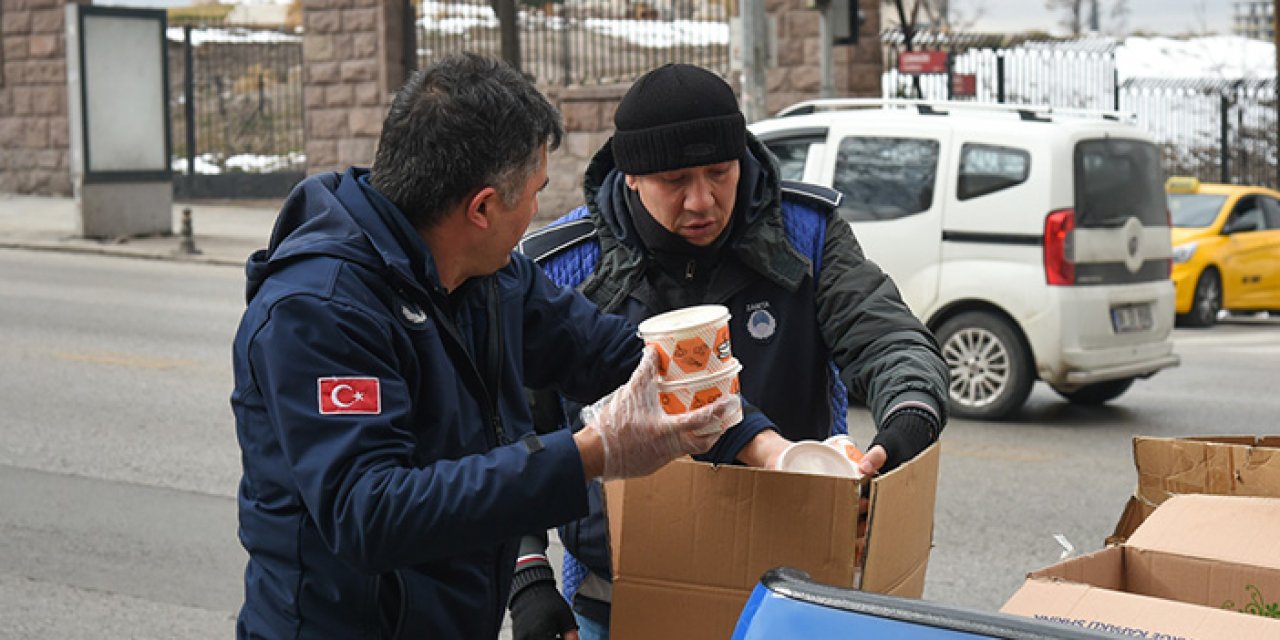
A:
(1078, 74)
(236, 100)
(583, 42)
(1216, 129)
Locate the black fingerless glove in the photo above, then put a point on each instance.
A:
(905, 434)
(538, 611)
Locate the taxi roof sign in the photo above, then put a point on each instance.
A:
(1182, 184)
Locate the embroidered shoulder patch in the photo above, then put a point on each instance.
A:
(349, 395)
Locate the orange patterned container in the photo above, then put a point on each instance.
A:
(691, 342)
(685, 395)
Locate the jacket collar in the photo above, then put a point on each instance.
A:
(759, 240)
(342, 216)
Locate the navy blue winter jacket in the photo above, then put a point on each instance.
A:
(396, 513)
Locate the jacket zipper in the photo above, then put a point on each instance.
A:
(448, 327)
(489, 404)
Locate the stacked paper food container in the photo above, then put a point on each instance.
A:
(697, 367)
(695, 360)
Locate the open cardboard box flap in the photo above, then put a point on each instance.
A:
(1216, 465)
(691, 541)
(1241, 530)
(900, 528)
(1188, 571)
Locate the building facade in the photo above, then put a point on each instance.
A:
(1254, 19)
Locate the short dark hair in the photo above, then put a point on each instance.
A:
(461, 124)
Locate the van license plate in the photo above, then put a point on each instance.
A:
(1131, 317)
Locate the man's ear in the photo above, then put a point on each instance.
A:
(631, 181)
(481, 206)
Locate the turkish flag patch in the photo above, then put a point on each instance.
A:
(349, 395)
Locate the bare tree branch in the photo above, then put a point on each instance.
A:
(1073, 21)
(1119, 17)
(941, 15)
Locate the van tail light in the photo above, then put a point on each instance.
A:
(1058, 269)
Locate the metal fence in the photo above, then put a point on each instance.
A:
(1218, 130)
(236, 105)
(1079, 74)
(583, 42)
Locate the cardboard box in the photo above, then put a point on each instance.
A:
(1190, 571)
(691, 541)
(1218, 465)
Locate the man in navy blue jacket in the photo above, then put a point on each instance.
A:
(390, 464)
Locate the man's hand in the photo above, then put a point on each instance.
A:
(763, 450)
(873, 461)
(637, 436)
(539, 612)
(904, 434)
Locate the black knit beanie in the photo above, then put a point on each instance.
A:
(677, 116)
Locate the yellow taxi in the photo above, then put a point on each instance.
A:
(1226, 249)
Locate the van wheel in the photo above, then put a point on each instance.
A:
(1098, 392)
(991, 372)
(1207, 301)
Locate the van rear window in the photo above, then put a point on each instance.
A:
(1117, 179)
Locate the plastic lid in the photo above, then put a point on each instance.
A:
(684, 319)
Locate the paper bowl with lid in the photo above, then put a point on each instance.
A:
(691, 342)
(688, 394)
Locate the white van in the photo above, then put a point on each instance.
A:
(1035, 243)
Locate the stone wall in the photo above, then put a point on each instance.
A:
(33, 98)
(588, 123)
(351, 60)
(798, 75)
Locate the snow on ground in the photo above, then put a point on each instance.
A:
(231, 35)
(207, 163)
(454, 18)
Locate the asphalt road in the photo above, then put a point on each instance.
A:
(118, 459)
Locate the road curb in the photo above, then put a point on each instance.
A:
(121, 252)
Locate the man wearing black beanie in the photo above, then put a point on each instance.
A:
(685, 207)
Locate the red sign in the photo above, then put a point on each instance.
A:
(964, 85)
(349, 395)
(917, 62)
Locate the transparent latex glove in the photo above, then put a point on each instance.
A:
(638, 436)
